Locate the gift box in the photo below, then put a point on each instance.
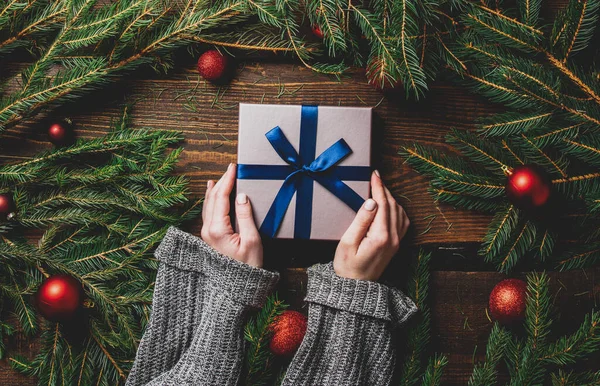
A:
(305, 169)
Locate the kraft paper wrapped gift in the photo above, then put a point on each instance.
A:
(305, 169)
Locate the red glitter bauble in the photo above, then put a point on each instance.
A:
(213, 66)
(288, 331)
(317, 31)
(507, 301)
(7, 206)
(59, 298)
(61, 134)
(528, 187)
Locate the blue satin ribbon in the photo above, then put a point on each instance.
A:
(300, 172)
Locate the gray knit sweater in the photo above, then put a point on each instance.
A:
(202, 298)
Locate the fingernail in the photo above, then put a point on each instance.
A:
(370, 204)
(377, 173)
(209, 183)
(242, 198)
(229, 167)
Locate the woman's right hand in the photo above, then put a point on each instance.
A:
(374, 236)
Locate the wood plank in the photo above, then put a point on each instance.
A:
(181, 101)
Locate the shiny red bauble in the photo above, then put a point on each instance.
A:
(61, 134)
(508, 301)
(317, 31)
(213, 66)
(528, 187)
(288, 331)
(59, 298)
(7, 206)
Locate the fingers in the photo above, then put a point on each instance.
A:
(380, 225)
(220, 195)
(403, 223)
(209, 186)
(246, 226)
(394, 211)
(360, 225)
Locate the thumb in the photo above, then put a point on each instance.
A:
(360, 226)
(243, 213)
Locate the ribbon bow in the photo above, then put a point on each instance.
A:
(302, 169)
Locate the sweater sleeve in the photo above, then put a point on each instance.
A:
(348, 340)
(201, 297)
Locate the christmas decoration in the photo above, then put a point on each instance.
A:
(61, 134)
(258, 333)
(535, 358)
(7, 206)
(507, 301)
(528, 187)
(317, 31)
(288, 331)
(99, 216)
(213, 66)
(405, 43)
(59, 298)
(545, 75)
(418, 334)
(259, 134)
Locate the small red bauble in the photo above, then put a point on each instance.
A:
(213, 66)
(61, 134)
(59, 298)
(528, 187)
(508, 300)
(288, 331)
(317, 31)
(7, 206)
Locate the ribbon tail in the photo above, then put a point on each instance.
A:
(274, 217)
(341, 191)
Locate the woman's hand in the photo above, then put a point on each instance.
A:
(217, 231)
(373, 237)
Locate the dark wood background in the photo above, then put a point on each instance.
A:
(208, 116)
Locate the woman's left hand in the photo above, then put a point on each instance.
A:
(245, 246)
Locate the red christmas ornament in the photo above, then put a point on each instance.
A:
(59, 298)
(288, 331)
(61, 134)
(213, 66)
(7, 206)
(528, 187)
(507, 301)
(317, 31)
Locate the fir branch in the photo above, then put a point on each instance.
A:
(537, 316)
(499, 232)
(433, 373)
(530, 11)
(257, 333)
(521, 241)
(513, 123)
(580, 257)
(419, 334)
(574, 27)
(583, 342)
(485, 373)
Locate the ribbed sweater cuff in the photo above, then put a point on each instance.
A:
(246, 284)
(359, 296)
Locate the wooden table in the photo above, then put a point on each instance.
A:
(460, 281)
